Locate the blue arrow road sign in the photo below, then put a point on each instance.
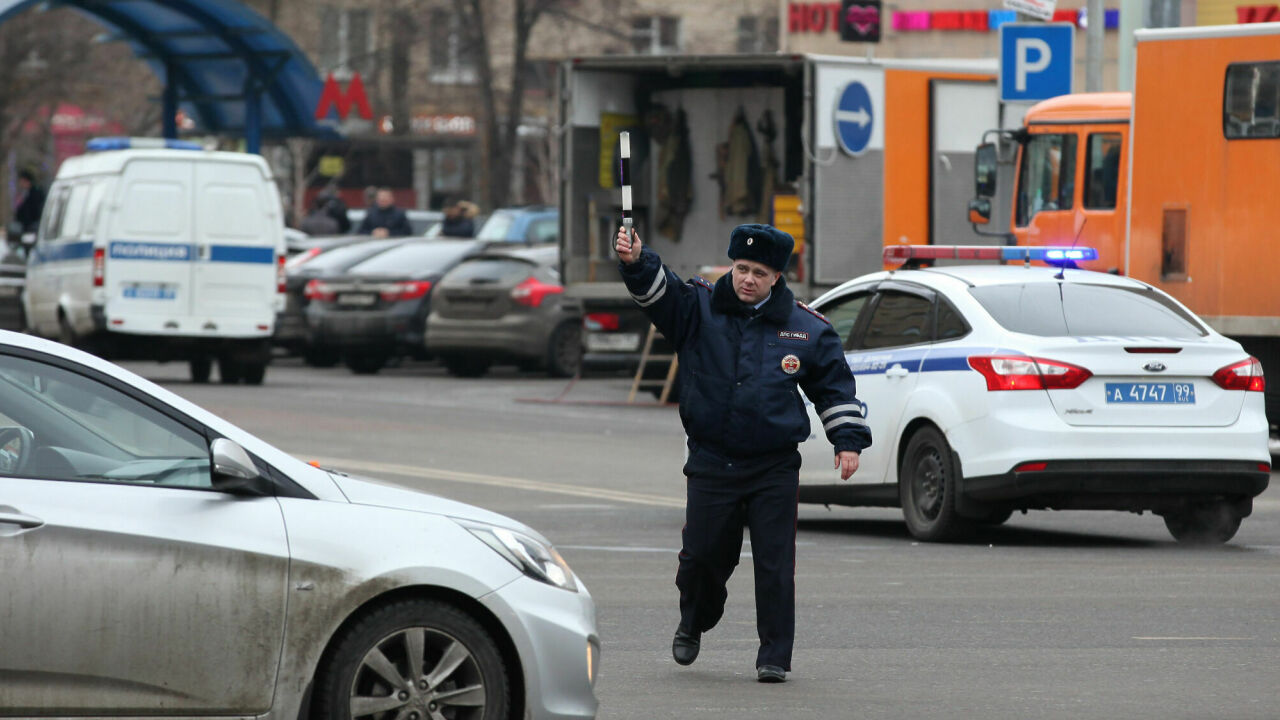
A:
(1036, 60)
(855, 118)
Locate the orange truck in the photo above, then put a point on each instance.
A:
(1176, 184)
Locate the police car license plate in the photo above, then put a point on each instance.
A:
(149, 291)
(597, 342)
(1161, 393)
(357, 299)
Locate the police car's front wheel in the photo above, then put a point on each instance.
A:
(927, 488)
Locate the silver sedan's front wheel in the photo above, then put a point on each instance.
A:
(416, 660)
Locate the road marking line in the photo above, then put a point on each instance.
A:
(499, 481)
(1192, 638)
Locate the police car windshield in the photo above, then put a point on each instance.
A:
(1080, 309)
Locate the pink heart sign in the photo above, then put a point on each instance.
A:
(863, 18)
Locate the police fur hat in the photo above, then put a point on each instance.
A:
(763, 244)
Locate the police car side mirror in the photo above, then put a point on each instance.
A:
(234, 471)
(14, 231)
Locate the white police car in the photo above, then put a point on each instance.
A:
(995, 388)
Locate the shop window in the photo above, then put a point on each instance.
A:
(655, 35)
(1173, 245)
(1102, 171)
(1251, 101)
(757, 34)
(453, 59)
(1047, 178)
(346, 44)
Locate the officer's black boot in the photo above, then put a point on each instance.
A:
(684, 648)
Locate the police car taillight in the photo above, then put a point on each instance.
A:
(1019, 372)
(898, 254)
(99, 266)
(280, 278)
(1244, 375)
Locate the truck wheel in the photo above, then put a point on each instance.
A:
(564, 350)
(414, 658)
(253, 373)
(200, 369)
(1211, 523)
(228, 370)
(367, 362)
(927, 487)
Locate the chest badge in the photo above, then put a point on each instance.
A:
(790, 364)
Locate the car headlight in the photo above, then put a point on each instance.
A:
(534, 558)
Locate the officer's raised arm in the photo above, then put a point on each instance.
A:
(665, 298)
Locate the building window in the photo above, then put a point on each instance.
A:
(1251, 101)
(757, 34)
(345, 40)
(655, 35)
(453, 61)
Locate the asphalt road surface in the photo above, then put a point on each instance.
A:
(1052, 615)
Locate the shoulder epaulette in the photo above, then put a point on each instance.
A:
(697, 280)
(813, 312)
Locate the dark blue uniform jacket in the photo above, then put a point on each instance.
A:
(740, 367)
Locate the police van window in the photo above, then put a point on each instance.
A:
(1080, 309)
(898, 319)
(843, 314)
(93, 206)
(73, 216)
(53, 211)
(1047, 177)
(949, 325)
(1102, 171)
(1251, 101)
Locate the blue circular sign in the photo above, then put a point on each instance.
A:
(854, 118)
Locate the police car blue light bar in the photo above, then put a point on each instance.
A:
(132, 143)
(897, 254)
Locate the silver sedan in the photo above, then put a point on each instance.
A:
(158, 561)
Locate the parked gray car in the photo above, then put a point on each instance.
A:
(159, 561)
(506, 306)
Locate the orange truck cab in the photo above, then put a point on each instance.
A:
(1175, 183)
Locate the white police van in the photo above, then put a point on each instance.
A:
(991, 389)
(160, 250)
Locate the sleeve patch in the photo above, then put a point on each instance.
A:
(813, 312)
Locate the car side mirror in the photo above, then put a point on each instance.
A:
(14, 231)
(980, 211)
(234, 471)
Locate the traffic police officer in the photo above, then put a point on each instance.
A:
(745, 344)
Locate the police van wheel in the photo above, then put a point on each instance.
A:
(228, 371)
(201, 368)
(927, 487)
(254, 373)
(66, 334)
(564, 350)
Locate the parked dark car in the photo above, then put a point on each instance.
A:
(291, 324)
(506, 306)
(378, 308)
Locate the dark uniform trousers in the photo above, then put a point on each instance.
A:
(723, 496)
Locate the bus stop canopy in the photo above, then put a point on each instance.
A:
(227, 67)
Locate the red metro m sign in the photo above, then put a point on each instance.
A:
(332, 97)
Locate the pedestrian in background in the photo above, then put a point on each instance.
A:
(384, 219)
(746, 346)
(29, 203)
(459, 219)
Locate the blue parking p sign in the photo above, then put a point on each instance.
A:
(1036, 60)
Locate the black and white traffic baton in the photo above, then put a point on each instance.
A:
(624, 140)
